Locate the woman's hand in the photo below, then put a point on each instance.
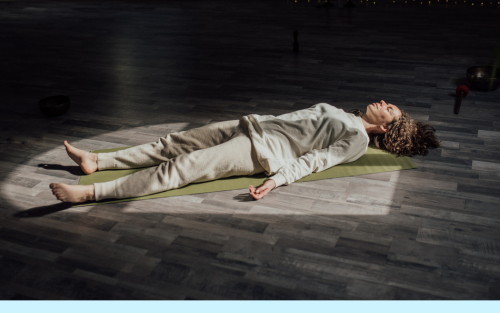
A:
(260, 192)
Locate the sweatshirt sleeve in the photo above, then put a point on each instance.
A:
(348, 149)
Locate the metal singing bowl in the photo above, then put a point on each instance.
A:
(480, 77)
(54, 105)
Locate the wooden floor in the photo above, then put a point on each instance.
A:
(137, 70)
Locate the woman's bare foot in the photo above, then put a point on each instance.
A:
(73, 193)
(86, 160)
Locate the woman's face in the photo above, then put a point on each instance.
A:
(381, 113)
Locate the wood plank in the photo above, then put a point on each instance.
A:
(367, 290)
(219, 229)
(142, 265)
(422, 256)
(75, 229)
(452, 216)
(33, 293)
(32, 252)
(460, 241)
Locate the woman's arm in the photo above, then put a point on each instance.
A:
(346, 150)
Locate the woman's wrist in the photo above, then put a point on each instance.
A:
(271, 181)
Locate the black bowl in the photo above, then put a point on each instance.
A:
(480, 77)
(54, 105)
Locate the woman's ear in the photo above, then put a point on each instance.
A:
(383, 128)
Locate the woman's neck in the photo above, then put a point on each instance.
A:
(369, 127)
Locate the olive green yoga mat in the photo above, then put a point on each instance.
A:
(373, 161)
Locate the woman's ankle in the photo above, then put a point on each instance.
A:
(91, 193)
(93, 157)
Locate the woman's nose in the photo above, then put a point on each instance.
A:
(383, 102)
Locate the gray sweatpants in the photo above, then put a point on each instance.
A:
(202, 154)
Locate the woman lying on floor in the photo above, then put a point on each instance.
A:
(286, 147)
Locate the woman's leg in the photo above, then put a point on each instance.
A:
(232, 158)
(170, 146)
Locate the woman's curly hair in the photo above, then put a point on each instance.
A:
(405, 136)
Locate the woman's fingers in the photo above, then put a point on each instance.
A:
(253, 192)
(259, 193)
(255, 195)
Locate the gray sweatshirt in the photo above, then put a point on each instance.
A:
(296, 144)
